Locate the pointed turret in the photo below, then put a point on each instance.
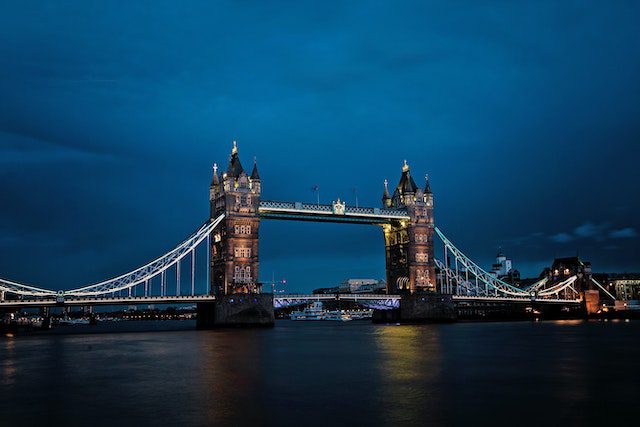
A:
(215, 180)
(406, 184)
(255, 176)
(427, 186)
(386, 198)
(235, 167)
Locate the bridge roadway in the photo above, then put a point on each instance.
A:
(380, 301)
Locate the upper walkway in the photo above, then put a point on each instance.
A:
(336, 212)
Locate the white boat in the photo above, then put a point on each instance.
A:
(361, 314)
(337, 315)
(73, 322)
(313, 312)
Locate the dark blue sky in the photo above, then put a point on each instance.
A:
(525, 116)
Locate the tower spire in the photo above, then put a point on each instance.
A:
(255, 176)
(427, 186)
(215, 180)
(386, 198)
(235, 167)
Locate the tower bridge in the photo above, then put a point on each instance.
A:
(419, 286)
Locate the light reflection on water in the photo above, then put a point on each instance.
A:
(326, 374)
(410, 371)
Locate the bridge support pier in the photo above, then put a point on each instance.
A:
(591, 302)
(45, 313)
(237, 310)
(420, 308)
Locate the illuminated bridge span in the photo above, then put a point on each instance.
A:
(337, 212)
(230, 240)
(148, 284)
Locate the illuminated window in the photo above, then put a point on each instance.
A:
(242, 252)
(243, 229)
(242, 274)
(422, 277)
(422, 257)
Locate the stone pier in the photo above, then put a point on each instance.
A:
(420, 308)
(237, 310)
(591, 302)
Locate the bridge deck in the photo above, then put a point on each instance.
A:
(279, 300)
(75, 301)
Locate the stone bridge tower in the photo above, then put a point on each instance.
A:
(234, 245)
(409, 244)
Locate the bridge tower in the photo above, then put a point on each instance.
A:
(409, 244)
(234, 245)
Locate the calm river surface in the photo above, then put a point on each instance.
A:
(305, 373)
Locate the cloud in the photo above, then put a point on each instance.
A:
(598, 232)
(18, 149)
(562, 237)
(623, 233)
(529, 239)
(589, 229)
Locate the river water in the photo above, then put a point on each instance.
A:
(323, 373)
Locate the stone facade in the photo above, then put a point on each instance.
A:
(234, 245)
(409, 244)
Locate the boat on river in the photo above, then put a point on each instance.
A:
(314, 311)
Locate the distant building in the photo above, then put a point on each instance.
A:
(503, 269)
(355, 286)
(563, 268)
(502, 265)
(332, 290)
(624, 286)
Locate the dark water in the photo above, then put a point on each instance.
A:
(547, 373)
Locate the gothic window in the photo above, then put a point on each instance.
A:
(239, 229)
(421, 257)
(242, 252)
(242, 274)
(248, 200)
(422, 277)
(243, 229)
